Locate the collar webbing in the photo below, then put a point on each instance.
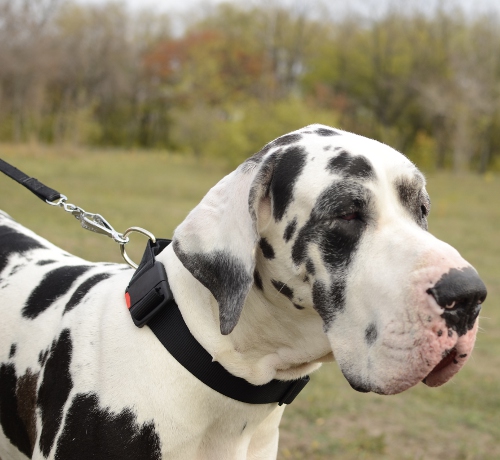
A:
(150, 301)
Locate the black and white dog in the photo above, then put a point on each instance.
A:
(315, 249)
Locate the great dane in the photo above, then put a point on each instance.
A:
(315, 249)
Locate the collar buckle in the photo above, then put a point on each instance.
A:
(147, 294)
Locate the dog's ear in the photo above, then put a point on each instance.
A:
(216, 242)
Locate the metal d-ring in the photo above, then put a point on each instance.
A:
(122, 245)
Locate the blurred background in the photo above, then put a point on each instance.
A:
(221, 79)
(134, 109)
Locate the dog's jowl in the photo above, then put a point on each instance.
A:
(315, 249)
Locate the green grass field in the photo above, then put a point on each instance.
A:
(460, 420)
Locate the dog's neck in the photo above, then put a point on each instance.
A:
(289, 343)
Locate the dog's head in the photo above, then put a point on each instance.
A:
(338, 223)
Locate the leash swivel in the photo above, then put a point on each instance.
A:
(89, 221)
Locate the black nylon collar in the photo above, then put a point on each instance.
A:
(151, 302)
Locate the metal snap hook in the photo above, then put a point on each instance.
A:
(122, 245)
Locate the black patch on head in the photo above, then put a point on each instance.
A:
(53, 285)
(328, 302)
(54, 390)
(13, 425)
(13, 242)
(45, 262)
(266, 248)
(327, 132)
(224, 276)
(282, 141)
(285, 140)
(336, 239)
(82, 290)
(257, 280)
(371, 334)
(414, 198)
(288, 168)
(282, 288)
(350, 166)
(290, 230)
(464, 289)
(94, 432)
(310, 267)
(255, 159)
(12, 351)
(16, 268)
(42, 356)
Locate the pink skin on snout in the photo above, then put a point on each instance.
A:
(442, 351)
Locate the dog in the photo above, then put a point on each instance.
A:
(315, 249)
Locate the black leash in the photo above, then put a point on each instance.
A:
(150, 301)
(40, 190)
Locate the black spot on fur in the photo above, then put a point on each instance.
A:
(336, 239)
(288, 168)
(287, 139)
(463, 289)
(94, 432)
(351, 166)
(45, 262)
(12, 424)
(16, 268)
(266, 248)
(42, 356)
(12, 242)
(414, 198)
(53, 285)
(54, 390)
(310, 267)
(371, 334)
(328, 302)
(82, 290)
(224, 276)
(26, 407)
(12, 351)
(282, 288)
(257, 280)
(298, 307)
(327, 132)
(290, 230)
(255, 159)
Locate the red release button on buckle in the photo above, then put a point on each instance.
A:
(127, 299)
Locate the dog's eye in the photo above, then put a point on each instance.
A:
(350, 216)
(424, 211)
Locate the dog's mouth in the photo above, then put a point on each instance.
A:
(449, 359)
(452, 361)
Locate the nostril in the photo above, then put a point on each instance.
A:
(460, 292)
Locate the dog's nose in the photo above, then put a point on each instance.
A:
(460, 292)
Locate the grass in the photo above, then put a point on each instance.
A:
(460, 420)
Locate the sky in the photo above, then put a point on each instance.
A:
(470, 6)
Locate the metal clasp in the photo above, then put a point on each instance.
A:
(122, 245)
(98, 224)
